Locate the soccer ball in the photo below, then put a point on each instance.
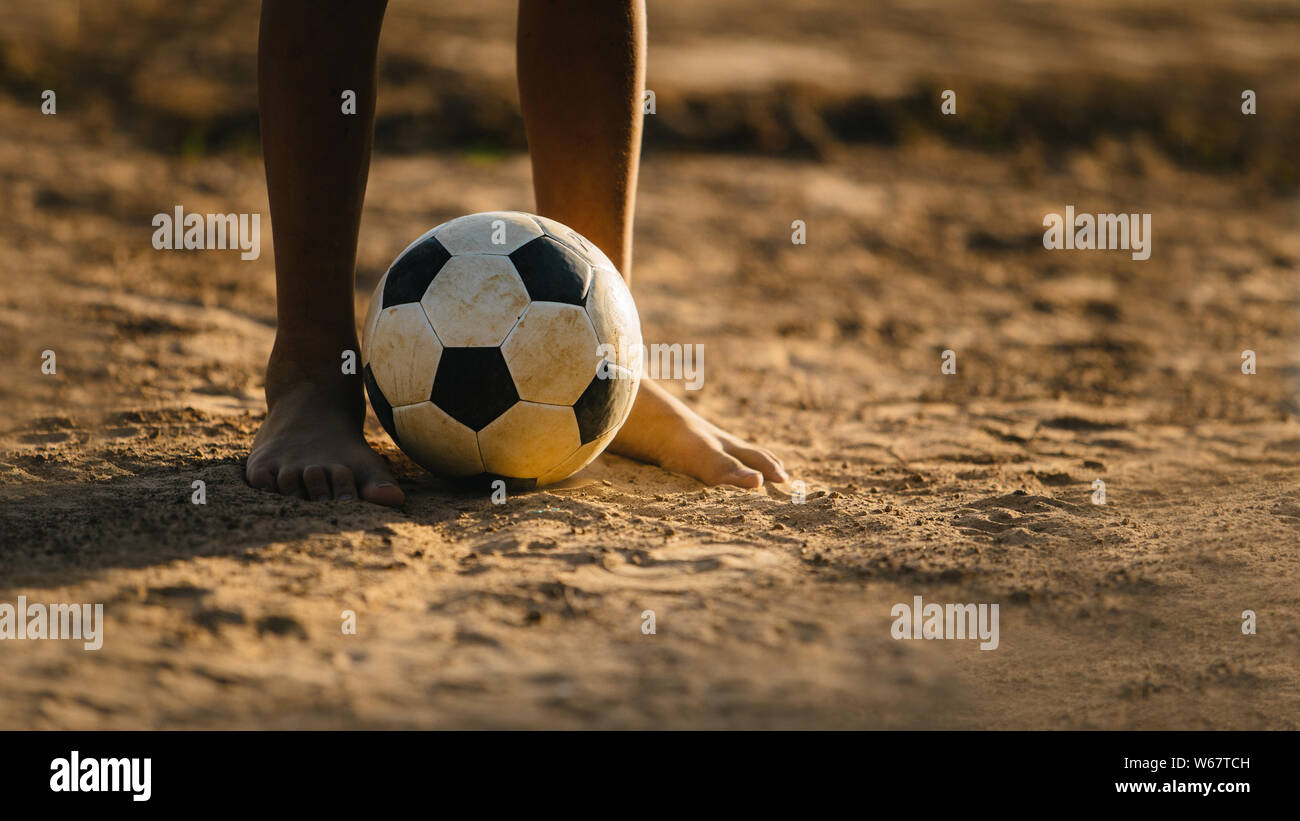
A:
(502, 344)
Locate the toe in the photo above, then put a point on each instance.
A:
(744, 477)
(343, 482)
(759, 459)
(377, 484)
(289, 482)
(716, 467)
(316, 482)
(260, 476)
(383, 493)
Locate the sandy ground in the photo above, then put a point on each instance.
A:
(974, 487)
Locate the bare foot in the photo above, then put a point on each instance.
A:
(663, 431)
(311, 445)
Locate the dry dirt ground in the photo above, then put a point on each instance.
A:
(975, 487)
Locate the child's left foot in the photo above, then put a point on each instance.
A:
(663, 431)
(311, 443)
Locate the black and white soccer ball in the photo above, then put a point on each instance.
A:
(502, 344)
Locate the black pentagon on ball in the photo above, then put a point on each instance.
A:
(473, 385)
(412, 272)
(567, 237)
(602, 403)
(552, 271)
(383, 409)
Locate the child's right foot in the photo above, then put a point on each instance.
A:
(311, 444)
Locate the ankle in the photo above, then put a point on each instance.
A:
(321, 361)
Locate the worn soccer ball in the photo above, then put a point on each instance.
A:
(502, 344)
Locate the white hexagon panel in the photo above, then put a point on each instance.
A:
(529, 440)
(579, 459)
(437, 442)
(372, 314)
(475, 300)
(491, 232)
(404, 354)
(552, 353)
(613, 315)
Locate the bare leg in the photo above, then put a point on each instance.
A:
(317, 161)
(581, 67)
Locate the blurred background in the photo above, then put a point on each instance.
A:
(776, 79)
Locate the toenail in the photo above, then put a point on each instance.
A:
(384, 484)
(346, 497)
